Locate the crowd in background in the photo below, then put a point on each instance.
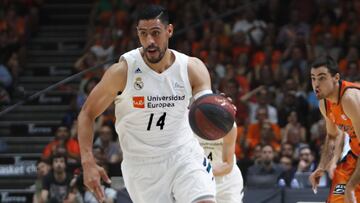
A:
(19, 21)
(257, 52)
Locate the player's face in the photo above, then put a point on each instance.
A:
(324, 85)
(154, 38)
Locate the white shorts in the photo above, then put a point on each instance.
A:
(182, 177)
(229, 188)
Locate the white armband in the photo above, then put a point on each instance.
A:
(201, 93)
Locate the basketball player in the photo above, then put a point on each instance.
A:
(339, 102)
(151, 87)
(228, 178)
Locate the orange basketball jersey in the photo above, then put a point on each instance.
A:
(335, 113)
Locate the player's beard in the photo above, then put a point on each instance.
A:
(154, 59)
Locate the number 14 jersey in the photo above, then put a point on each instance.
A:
(152, 111)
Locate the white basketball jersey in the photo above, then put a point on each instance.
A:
(213, 149)
(152, 111)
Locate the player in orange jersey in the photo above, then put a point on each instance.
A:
(339, 103)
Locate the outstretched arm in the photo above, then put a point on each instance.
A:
(100, 98)
(221, 169)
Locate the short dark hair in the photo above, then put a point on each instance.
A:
(153, 11)
(56, 156)
(328, 62)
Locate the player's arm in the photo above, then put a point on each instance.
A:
(100, 98)
(328, 149)
(331, 141)
(221, 169)
(350, 104)
(199, 77)
(103, 94)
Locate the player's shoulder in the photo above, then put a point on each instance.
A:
(351, 96)
(118, 68)
(195, 61)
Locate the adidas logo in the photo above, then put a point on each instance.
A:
(138, 70)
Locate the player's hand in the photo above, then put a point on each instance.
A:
(230, 99)
(350, 193)
(92, 174)
(314, 178)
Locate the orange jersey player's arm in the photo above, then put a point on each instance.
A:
(333, 142)
(351, 105)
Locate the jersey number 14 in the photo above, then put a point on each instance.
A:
(160, 122)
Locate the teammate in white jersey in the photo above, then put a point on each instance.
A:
(228, 178)
(151, 87)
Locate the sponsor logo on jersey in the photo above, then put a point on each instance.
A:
(163, 101)
(138, 70)
(139, 102)
(339, 189)
(153, 102)
(178, 85)
(138, 84)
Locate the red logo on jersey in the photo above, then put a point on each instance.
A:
(139, 102)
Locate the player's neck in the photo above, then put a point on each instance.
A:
(163, 64)
(334, 96)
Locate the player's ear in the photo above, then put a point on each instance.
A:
(337, 76)
(170, 29)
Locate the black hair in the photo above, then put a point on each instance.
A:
(153, 11)
(58, 155)
(328, 62)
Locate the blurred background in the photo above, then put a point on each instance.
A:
(257, 52)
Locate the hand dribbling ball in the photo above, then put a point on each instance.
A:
(211, 116)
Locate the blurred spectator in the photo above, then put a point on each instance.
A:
(352, 72)
(42, 169)
(86, 61)
(290, 100)
(351, 56)
(288, 173)
(104, 49)
(252, 27)
(262, 101)
(293, 132)
(306, 160)
(326, 44)
(306, 165)
(56, 184)
(287, 150)
(85, 90)
(296, 59)
(289, 32)
(318, 133)
(266, 173)
(263, 132)
(111, 149)
(230, 87)
(63, 143)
